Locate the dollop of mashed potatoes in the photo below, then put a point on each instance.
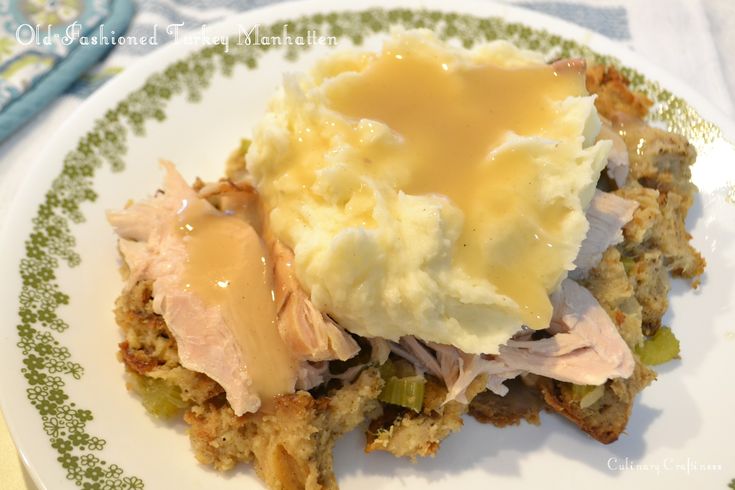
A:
(430, 190)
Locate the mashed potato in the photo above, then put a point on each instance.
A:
(429, 190)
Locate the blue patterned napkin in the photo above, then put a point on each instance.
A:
(45, 45)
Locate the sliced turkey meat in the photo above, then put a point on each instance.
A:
(255, 345)
(459, 369)
(586, 347)
(456, 368)
(311, 375)
(607, 214)
(309, 333)
(154, 251)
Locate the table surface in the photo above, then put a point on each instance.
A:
(721, 18)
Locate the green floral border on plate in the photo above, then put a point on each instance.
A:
(47, 363)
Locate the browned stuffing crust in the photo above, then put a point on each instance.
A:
(613, 95)
(403, 432)
(291, 448)
(522, 402)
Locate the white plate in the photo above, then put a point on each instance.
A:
(85, 430)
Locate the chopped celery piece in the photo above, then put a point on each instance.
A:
(405, 392)
(587, 395)
(592, 397)
(660, 348)
(244, 145)
(628, 264)
(579, 391)
(157, 396)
